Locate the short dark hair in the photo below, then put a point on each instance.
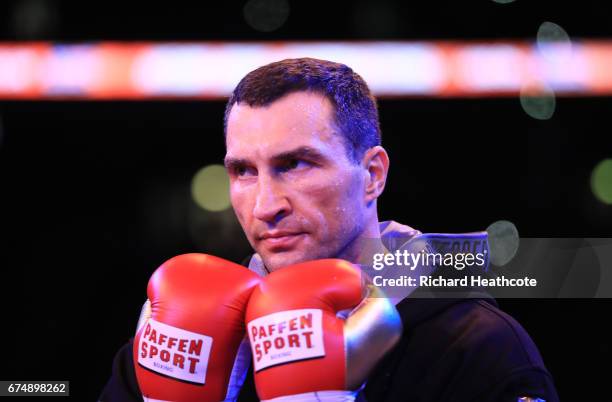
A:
(356, 113)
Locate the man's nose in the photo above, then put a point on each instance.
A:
(271, 204)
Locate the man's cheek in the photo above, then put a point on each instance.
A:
(240, 205)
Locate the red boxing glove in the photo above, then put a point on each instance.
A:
(300, 344)
(188, 343)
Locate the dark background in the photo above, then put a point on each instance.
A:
(95, 195)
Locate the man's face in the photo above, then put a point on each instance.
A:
(295, 192)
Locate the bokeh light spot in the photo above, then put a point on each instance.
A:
(503, 242)
(601, 181)
(34, 19)
(266, 15)
(504, 1)
(553, 42)
(210, 188)
(549, 32)
(539, 103)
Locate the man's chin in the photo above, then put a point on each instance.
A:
(278, 260)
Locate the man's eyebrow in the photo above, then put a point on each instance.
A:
(231, 163)
(299, 153)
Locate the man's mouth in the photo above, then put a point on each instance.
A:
(278, 239)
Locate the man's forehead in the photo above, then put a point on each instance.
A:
(296, 120)
(296, 108)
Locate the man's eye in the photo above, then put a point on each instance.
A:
(293, 164)
(242, 171)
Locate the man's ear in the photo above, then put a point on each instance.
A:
(375, 161)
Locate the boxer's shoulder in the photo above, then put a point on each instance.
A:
(457, 349)
(470, 328)
(122, 386)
